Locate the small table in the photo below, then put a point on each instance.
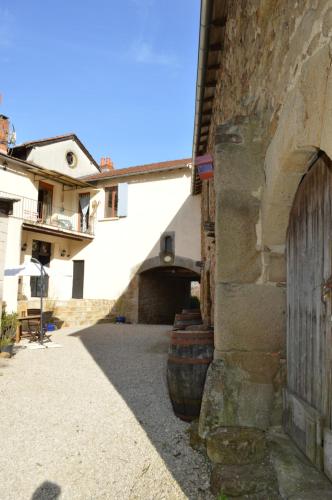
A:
(19, 326)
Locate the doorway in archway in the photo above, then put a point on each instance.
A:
(164, 292)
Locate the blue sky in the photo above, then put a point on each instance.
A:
(120, 74)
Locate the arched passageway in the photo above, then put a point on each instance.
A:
(163, 292)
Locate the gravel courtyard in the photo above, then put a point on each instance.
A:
(92, 420)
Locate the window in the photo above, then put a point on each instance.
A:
(111, 205)
(168, 244)
(45, 195)
(84, 212)
(71, 159)
(41, 250)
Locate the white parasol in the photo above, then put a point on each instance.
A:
(34, 268)
(29, 269)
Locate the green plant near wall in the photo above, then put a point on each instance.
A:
(222, 496)
(8, 328)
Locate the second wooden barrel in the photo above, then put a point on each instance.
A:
(189, 355)
(187, 319)
(190, 311)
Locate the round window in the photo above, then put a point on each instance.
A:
(71, 159)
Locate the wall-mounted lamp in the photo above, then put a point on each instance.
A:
(63, 253)
(24, 247)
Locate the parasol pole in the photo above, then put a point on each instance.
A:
(42, 275)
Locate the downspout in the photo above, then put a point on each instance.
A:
(203, 49)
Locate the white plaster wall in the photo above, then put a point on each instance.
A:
(3, 244)
(60, 283)
(156, 203)
(12, 259)
(53, 156)
(16, 181)
(19, 183)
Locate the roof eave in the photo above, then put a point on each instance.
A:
(50, 174)
(213, 16)
(143, 172)
(52, 140)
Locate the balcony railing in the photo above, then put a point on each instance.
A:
(44, 214)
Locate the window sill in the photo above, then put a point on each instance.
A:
(105, 219)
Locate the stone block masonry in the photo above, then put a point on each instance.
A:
(270, 119)
(74, 312)
(270, 115)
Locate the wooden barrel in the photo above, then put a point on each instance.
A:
(196, 311)
(187, 319)
(189, 355)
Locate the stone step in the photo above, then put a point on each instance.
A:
(236, 445)
(257, 481)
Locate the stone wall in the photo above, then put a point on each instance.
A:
(267, 44)
(74, 312)
(271, 113)
(161, 297)
(208, 251)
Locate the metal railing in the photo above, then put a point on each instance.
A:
(45, 214)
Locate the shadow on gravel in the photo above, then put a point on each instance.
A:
(135, 364)
(47, 491)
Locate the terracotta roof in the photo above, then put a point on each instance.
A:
(56, 138)
(140, 169)
(50, 140)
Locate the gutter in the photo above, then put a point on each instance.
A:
(203, 49)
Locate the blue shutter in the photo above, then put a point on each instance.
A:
(123, 200)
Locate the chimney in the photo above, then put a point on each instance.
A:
(4, 132)
(106, 164)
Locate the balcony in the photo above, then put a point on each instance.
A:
(47, 218)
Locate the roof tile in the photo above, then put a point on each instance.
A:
(150, 167)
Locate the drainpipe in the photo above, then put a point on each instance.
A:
(203, 49)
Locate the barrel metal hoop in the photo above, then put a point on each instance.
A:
(189, 361)
(187, 342)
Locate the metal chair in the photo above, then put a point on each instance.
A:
(33, 325)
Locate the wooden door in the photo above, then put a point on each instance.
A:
(45, 196)
(309, 240)
(78, 279)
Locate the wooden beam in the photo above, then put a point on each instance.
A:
(210, 83)
(208, 99)
(219, 21)
(215, 46)
(211, 67)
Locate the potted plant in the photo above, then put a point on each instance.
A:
(7, 333)
(6, 347)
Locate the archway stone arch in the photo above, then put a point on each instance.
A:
(304, 128)
(155, 262)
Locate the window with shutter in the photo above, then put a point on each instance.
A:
(116, 203)
(111, 205)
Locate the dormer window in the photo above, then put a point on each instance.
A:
(71, 159)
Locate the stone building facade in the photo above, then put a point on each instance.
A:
(263, 110)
